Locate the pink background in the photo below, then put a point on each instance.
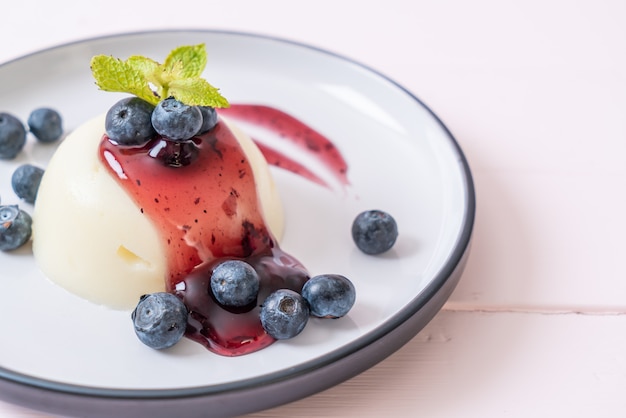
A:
(535, 93)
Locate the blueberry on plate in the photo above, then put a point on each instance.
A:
(25, 182)
(160, 320)
(235, 283)
(46, 124)
(284, 314)
(329, 295)
(12, 136)
(374, 231)
(128, 122)
(175, 120)
(15, 227)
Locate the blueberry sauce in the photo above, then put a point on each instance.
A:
(295, 132)
(206, 210)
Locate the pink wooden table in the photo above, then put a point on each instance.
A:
(535, 93)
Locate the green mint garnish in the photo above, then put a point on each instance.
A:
(179, 76)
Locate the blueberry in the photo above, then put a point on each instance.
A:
(25, 181)
(176, 120)
(234, 283)
(128, 122)
(329, 295)
(15, 227)
(284, 314)
(46, 124)
(160, 320)
(12, 136)
(374, 231)
(209, 118)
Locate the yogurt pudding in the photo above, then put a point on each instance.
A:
(114, 223)
(91, 238)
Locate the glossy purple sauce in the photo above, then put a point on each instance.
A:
(208, 211)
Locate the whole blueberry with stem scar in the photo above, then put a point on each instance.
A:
(128, 122)
(160, 320)
(15, 227)
(284, 314)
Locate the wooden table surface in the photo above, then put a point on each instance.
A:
(535, 93)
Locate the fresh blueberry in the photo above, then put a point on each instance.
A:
(374, 231)
(209, 118)
(128, 122)
(12, 136)
(329, 295)
(160, 320)
(15, 227)
(25, 182)
(46, 124)
(235, 283)
(284, 314)
(176, 120)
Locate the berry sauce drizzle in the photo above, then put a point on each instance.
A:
(297, 133)
(207, 211)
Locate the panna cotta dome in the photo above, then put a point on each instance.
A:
(92, 239)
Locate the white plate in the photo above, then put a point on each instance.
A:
(66, 355)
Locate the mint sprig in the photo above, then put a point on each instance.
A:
(179, 76)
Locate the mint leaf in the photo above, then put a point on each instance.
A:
(179, 76)
(168, 74)
(196, 92)
(144, 65)
(112, 74)
(192, 60)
